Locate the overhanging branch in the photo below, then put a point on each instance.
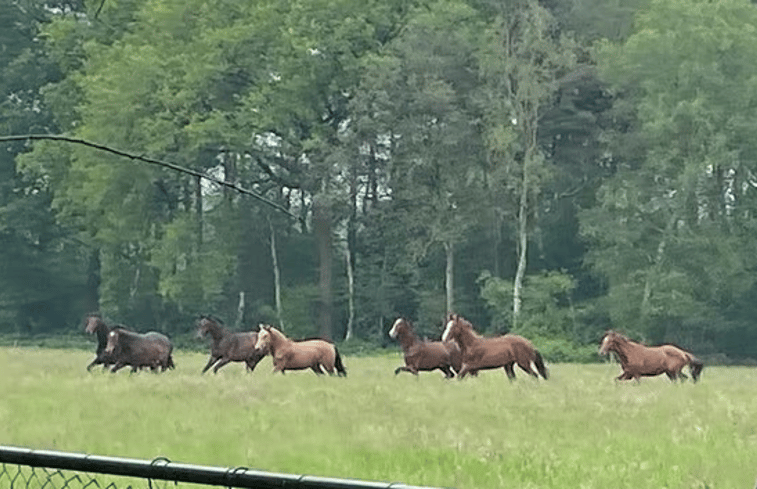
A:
(151, 161)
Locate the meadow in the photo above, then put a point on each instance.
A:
(578, 429)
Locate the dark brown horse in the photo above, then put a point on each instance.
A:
(152, 350)
(638, 360)
(480, 353)
(422, 355)
(227, 346)
(96, 325)
(315, 354)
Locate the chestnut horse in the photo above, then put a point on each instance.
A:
(96, 325)
(227, 346)
(425, 355)
(317, 355)
(638, 360)
(480, 353)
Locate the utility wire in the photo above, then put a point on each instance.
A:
(151, 161)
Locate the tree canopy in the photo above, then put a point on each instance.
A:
(533, 166)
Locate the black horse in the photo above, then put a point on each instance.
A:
(96, 325)
(228, 346)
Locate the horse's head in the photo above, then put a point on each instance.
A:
(610, 342)
(112, 341)
(94, 322)
(203, 326)
(400, 325)
(263, 344)
(454, 327)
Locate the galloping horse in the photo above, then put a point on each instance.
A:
(151, 350)
(425, 355)
(317, 355)
(227, 346)
(638, 360)
(480, 353)
(96, 325)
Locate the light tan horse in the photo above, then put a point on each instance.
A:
(638, 360)
(481, 353)
(421, 355)
(317, 355)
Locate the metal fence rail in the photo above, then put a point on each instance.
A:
(24, 468)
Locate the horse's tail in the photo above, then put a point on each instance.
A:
(539, 362)
(696, 365)
(338, 363)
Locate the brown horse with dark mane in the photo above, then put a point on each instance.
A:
(315, 354)
(639, 360)
(227, 346)
(152, 350)
(96, 325)
(422, 355)
(482, 353)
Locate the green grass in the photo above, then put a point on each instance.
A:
(579, 429)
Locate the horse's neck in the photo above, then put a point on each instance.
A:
(278, 340)
(102, 335)
(468, 338)
(407, 339)
(623, 348)
(218, 333)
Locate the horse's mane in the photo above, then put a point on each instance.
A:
(213, 318)
(622, 339)
(468, 325)
(685, 350)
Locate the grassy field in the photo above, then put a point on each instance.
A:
(579, 429)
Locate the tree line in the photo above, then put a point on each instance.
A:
(553, 168)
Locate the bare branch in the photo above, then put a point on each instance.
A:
(152, 161)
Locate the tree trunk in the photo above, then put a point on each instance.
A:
(522, 252)
(350, 251)
(276, 276)
(198, 212)
(449, 275)
(240, 311)
(351, 294)
(92, 293)
(654, 272)
(322, 231)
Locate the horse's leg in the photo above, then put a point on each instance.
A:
(211, 361)
(89, 367)
(118, 366)
(327, 366)
(316, 367)
(448, 372)
(252, 362)
(510, 371)
(526, 367)
(220, 364)
(463, 371)
(624, 376)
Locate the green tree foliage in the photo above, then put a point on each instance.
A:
(579, 164)
(43, 268)
(672, 231)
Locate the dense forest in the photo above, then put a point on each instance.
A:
(552, 168)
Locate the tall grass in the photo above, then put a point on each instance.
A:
(579, 429)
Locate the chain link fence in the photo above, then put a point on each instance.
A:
(22, 468)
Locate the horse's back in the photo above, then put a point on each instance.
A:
(429, 354)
